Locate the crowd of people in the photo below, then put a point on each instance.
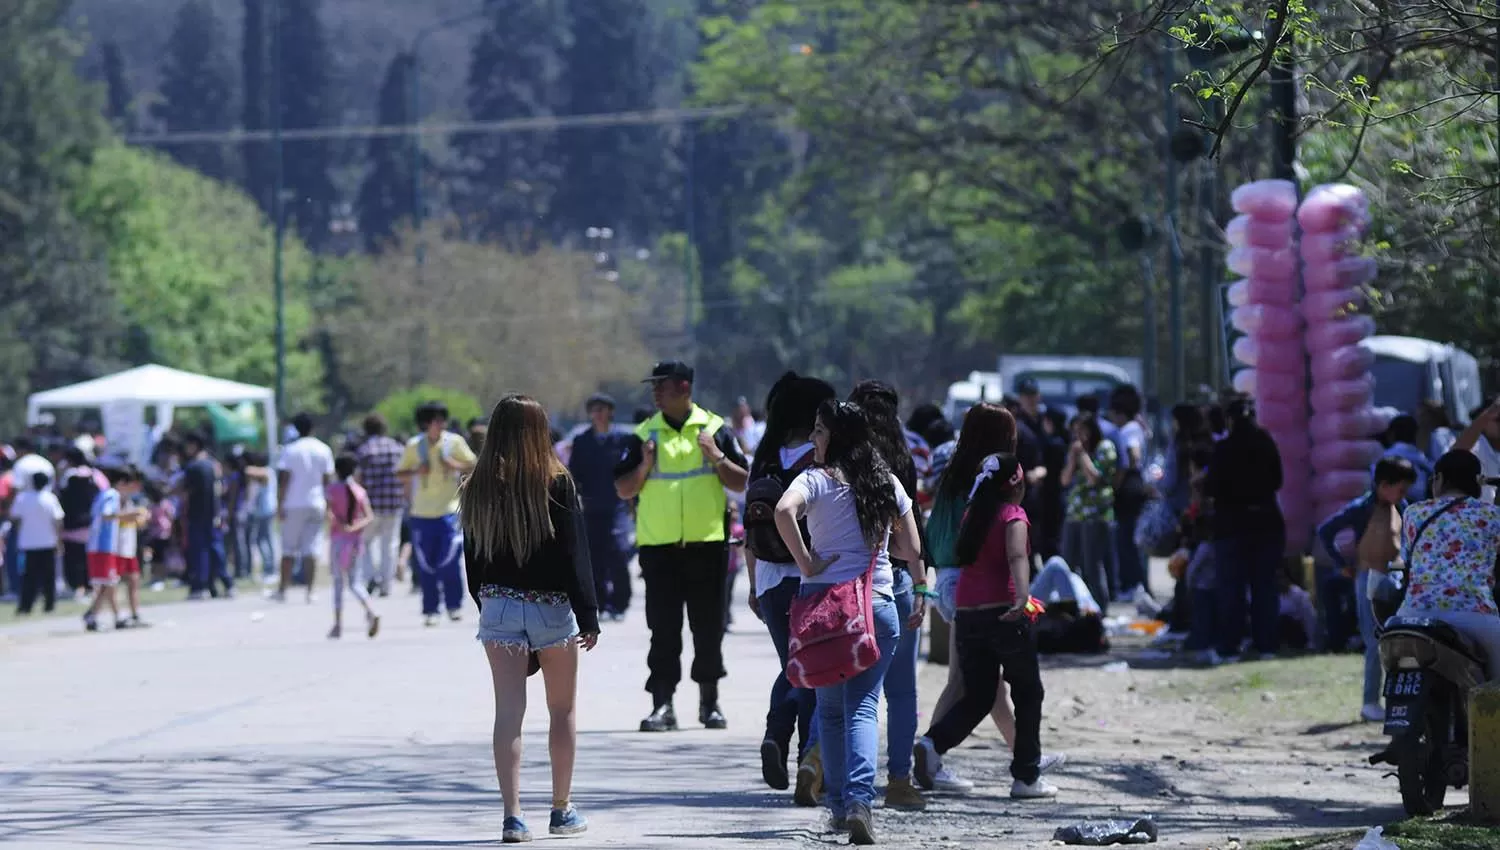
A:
(849, 524)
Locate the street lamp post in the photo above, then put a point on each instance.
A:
(278, 206)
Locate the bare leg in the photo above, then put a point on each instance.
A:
(508, 671)
(311, 571)
(286, 574)
(1005, 719)
(560, 674)
(133, 595)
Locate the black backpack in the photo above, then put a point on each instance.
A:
(77, 498)
(761, 496)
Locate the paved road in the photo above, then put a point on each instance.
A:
(238, 724)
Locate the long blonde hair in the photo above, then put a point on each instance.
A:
(503, 506)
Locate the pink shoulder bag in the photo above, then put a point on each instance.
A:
(833, 633)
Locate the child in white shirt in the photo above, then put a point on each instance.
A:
(38, 516)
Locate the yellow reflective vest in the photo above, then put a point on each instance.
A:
(683, 500)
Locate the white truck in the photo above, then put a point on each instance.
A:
(1061, 378)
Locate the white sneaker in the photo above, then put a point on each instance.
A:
(1050, 761)
(1372, 713)
(947, 780)
(1038, 790)
(430, 620)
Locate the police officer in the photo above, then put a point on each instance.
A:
(680, 462)
(593, 452)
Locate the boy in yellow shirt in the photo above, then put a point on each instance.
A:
(434, 462)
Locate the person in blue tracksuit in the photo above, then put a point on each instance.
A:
(594, 451)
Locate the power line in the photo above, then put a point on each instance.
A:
(533, 124)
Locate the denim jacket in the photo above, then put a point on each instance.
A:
(1355, 515)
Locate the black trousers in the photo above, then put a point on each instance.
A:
(40, 579)
(988, 645)
(76, 564)
(690, 577)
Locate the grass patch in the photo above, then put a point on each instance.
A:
(1311, 688)
(1447, 832)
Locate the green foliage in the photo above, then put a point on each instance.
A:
(197, 297)
(399, 407)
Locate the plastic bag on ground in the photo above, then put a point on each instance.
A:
(1107, 833)
(1376, 840)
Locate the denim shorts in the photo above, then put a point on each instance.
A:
(947, 591)
(526, 626)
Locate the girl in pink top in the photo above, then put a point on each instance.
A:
(348, 514)
(994, 629)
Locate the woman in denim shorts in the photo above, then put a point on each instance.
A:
(528, 566)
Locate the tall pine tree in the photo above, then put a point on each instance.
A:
(609, 172)
(196, 89)
(385, 196)
(116, 89)
(255, 111)
(306, 69)
(515, 71)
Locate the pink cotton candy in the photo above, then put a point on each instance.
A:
(1329, 336)
(1298, 535)
(1238, 293)
(1347, 273)
(1329, 247)
(1279, 387)
(1246, 350)
(1331, 206)
(1278, 265)
(1340, 486)
(1280, 322)
(1333, 304)
(1342, 364)
(1244, 381)
(1281, 416)
(1356, 424)
(1275, 200)
(1280, 292)
(1345, 455)
(1249, 231)
(1279, 357)
(1342, 396)
(1293, 445)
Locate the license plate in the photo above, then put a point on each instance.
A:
(1406, 685)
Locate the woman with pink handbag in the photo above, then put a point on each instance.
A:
(844, 625)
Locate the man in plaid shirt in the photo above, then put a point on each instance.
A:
(378, 457)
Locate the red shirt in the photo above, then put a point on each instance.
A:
(988, 580)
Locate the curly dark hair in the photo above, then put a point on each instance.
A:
(880, 403)
(851, 452)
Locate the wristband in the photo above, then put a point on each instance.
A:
(927, 594)
(920, 587)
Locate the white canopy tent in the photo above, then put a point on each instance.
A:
(122, 400)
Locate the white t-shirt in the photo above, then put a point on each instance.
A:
(834, 526)
(306, 462)
(28, 466)
(767, 573)
(1489, 465)
(1132, 436)
(38, 514)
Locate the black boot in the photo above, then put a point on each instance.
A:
(708, 708)
(662, 719)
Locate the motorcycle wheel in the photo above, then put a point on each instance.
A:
(1420, 764)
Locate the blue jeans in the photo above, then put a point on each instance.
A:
(1248, 562)
(849, 718)
(1131, 567)
(791, 708)
(205, 560)
(1203, 611)
(1374, 670)
(901, 686)
(257, 531)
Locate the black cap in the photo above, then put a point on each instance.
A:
(599, 398)
(1027, 386)
(670, 370)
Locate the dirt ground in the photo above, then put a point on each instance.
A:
(1221, 758)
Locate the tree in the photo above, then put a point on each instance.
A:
(306, 103)
(117, 90)
(56, 311)
(485, 321)
(399, 407)
(385, 195)
(515, 71)
(196, 89)
(609, 172)
(190, 260)
(255, 111)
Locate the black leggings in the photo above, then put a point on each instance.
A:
(988, 645)
(40, 579)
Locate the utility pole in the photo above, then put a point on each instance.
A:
(1174, 244)
(278, 209)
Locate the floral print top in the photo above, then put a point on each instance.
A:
(1095, 501)
(1453, 567)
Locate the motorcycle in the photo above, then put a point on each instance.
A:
(1430, 667)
